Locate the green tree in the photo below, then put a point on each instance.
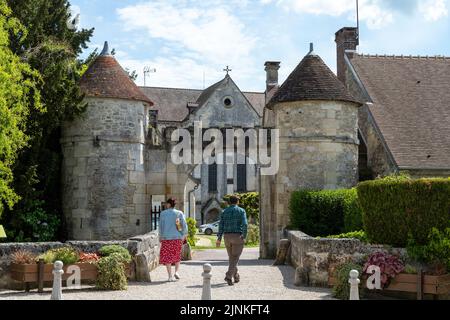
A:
(18, 96)
(51, 48)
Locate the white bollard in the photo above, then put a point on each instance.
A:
(206, 294)
(354, 283)
(57, 281)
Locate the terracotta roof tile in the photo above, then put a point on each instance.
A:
(106, 78)
(411, 97)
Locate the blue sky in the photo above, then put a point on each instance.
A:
(189, 42)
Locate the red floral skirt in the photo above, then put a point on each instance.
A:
(170, 251)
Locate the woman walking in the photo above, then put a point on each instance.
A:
(172, 233)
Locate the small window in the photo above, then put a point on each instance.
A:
(228, 102)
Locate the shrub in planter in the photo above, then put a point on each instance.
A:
(67, 255)
(390, 266)
(88, 257)
(396, 207)
(341, 290)
(321, 213)
(23, 257)
(111, 272)
(109, 250)
(252, 235)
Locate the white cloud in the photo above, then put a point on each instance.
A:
(433, 10)
(376, 13)
(196, 39)
(213, 33)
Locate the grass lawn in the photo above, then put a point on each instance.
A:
(212, 239)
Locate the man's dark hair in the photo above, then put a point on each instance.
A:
(233, 200)
(172, 202)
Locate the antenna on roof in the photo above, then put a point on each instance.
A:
(147, 71)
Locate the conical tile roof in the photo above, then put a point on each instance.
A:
(312, 80)
(105, 78)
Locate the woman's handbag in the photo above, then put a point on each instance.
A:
(178, 223)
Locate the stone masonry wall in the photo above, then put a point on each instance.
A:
(318, 150)
(316, 259)
(104, 195)
(144, 250)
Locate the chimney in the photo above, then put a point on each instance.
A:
(272, 68)
(347, 40)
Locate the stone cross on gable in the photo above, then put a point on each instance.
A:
(227, 70)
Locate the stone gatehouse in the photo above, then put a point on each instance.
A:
(379, 115)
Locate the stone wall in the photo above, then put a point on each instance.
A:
(316, 259)
(318, 149)
(104, 195)
(144, 250)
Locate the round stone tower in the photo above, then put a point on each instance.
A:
(103, 168)
(317, 120)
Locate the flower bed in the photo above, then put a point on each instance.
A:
(29, 269)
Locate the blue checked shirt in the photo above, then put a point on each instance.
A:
(233, 220)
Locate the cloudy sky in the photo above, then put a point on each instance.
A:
(189, 42)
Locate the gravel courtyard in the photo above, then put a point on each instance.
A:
(259, 281)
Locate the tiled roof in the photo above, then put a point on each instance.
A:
(311, 80)
(172, 102)
(411, 106)
(106, 78)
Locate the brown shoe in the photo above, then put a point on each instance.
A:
(229, 281)
(237, 278)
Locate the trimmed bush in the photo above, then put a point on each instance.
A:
(252, 235)
(396, 207)
(322, 213)
(111, 249)
(111, 272)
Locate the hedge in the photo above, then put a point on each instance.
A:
(323, 213)
(398, 208)
(249, 202)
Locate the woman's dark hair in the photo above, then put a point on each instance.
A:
(172, 202)
(233, 200)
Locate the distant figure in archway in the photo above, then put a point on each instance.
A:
(233, 227)
(172, 233)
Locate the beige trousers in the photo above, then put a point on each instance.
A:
(235, 245)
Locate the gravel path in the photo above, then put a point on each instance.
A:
(259, 281)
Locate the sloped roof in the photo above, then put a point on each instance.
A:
(107, 79)
(312, 80)
(172, 102)
(411, 106)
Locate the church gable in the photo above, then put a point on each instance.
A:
(224, 105)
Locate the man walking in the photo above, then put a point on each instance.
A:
(233, 227)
